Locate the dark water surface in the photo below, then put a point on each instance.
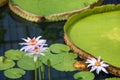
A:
(17, 28)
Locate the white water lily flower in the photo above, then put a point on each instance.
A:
(37, 51)
(31, 43)
(97, 64)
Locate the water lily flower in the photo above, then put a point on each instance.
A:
(31, 43)
(97, 64)
(38, 50)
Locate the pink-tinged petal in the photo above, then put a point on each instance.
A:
(99, 58)
(90, 65)
(89, 61)
(93, 68)
(38, 38)
(23, 48)
(23, 43)
(42, 54)
(29, 54)
(93, 59)
(27, 48)
(99, 68)
(104, 65)
(44, 49)
(33, 38)
(42, 41)
(102, 62)
(104, 70)
(24, 39)
(28, 38)
(35, 58)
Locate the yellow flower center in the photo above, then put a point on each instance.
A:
(32, 42)
(97, 63)
(36, 49)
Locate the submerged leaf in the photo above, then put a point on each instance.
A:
(14, 54)
(14, 73)
(6, 63)
(27, 63)
(85, 75)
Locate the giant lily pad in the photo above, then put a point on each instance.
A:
(96, 32)
(112, 79)
(37, 10)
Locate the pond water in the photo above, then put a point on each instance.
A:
(17, 28)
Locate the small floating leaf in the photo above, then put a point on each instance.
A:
(5, 63)
(27, 63)
(59, 48)
(14, 54)
(85, 75)
(14, 73)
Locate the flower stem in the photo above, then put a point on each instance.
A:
(40, 75)
(49, 77)
(40, 78)
(49, 71)
(43, 71)
(35, 71)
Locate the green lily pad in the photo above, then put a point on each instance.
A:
(49, 9)
(14, 73)
(53, 58)
(112, 79)
(66, 63)
(97, 32)
(14, 54)
(6, 63)
(27, 63)
(62, 61)
(85, 75)
(59, 48)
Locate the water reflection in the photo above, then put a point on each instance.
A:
(52, 31)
